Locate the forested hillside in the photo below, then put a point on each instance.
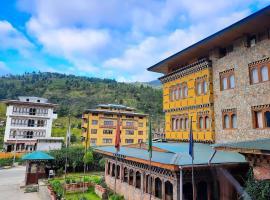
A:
(74, 94)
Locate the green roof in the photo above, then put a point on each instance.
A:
(37, 155)
(178, 154)
(260, 144)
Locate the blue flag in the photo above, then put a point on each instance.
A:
(191, 142)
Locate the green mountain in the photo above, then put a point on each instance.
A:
(73, 94)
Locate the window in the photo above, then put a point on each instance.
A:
(129, 132)
(94, 114)
(179, 123)
(186, 123)
(140, 132)
(140, 141)
(264, 72)
(252, 41)
(178, 92)
(108, 115)
(234, 121)
(261, 116)
(32, 111)
(259, 72)
(227, 79)
(93, 141)
(108, 123)
(29, 134)
(129, 123)
(31, 123)
(107, 140)
(203, 122)
(201, 86)
(40, 123)
(107, 131)
(94, 122)
(229, 119)
(129, 141)
(93, 131)
(140, 124)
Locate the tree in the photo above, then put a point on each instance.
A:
(88, 158)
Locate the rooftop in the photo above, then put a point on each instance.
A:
(177, 154)
(115, 106)
(37, 155)
(254, 146)
(252, 24)
(29, 100)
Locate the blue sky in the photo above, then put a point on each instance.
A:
(115, 39)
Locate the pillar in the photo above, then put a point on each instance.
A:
(153, 186)
(134, 178)
(163, 195)
(142, 181)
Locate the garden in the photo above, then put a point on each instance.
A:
(76, 185)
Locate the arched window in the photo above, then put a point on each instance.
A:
(185, 91)
(224, 83)
(207, 122)
(176, 94)
(181, 92)
(254, 75)
(259, 119)
(226, 121)
(264, 72)
(176, 124)
(199, 88)
(234, 121)
(232, 83)
(205, 87)
(267, 118)
(201, 122)
(183, 124)
(180, 124)
(186, 122)
(173, 121)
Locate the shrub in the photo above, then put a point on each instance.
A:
(59, 172)
(6, 162)
(116, 197)
(57, 188)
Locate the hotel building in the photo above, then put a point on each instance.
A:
(222, 82)
(99, 125)
(29, 125)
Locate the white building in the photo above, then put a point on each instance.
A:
(29, 125)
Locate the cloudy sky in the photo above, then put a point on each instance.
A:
(116, 39)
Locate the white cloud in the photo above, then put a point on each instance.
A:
(125, 37)
(10, 38)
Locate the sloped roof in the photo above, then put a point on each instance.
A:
(251, 146)
(177, 154)
(37, 155)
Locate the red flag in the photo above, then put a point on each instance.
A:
(117, 136)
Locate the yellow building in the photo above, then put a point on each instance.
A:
(99, 125)
(187, 92)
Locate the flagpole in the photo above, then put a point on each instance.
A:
(117, 146)
(67, 145)
(191, 153)
(150, 157)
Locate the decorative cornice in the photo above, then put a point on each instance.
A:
(186, 70)
(193, 107)
(260, 107)
(259, 62)
(227, 71)
(228, 110)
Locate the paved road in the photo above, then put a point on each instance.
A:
(10, 181)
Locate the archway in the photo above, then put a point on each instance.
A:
(113, 170)
(158, 188)
(131, 175)
(168, 190)
(125, 175)
(108, 168)
(187, 191)
(202, 190)
(138, 180)
(118, 172)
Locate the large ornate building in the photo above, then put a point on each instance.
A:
(29, 125)
(222, 82)
(99, 125)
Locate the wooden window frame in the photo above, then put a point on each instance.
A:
(259, 67)
(204, 122)
(263, 110)
(178, 88)
(202, 81)
(230, 113)
(227, 74)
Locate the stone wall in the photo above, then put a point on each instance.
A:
(244, 95)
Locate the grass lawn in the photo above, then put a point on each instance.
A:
(90, 195)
